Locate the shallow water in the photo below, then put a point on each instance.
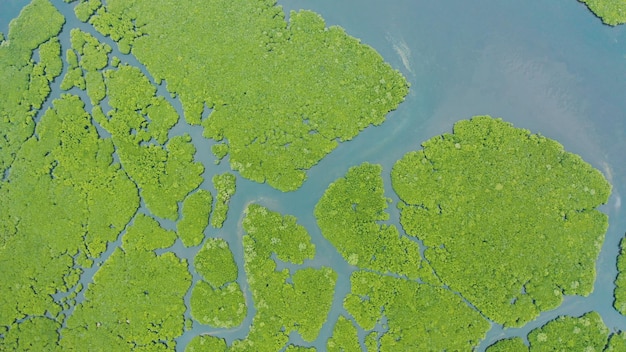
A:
(551, 67)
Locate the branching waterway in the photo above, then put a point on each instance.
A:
(552, 68)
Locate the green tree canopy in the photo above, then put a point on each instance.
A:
(349, 213)
(584, 333)
(508, 217)
(611, 12)
(282, 93)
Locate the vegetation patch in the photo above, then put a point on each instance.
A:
(566, 333)
(136, 298)
(196, 210)
(56, 211)
(416, 314)
(508, 217)
(349, 215)
(611, 12)
(620, 281)
(585, 333)
(225, 186)
(286, 301)
(282, 93)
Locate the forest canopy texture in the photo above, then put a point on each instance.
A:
(116, 227)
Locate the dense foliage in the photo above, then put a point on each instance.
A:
(136, 298)
(417, 314)
(65, 197)
(509, 218)
(217, 300)
(203, 343)
(565, 333)
(163, 169)
(620, 281)
(585, 333)
(196, 210)
(612, 12)
(24, 84)
(55, 210)
(86, 185)
(225, 186)
(617, 342)
(513, 344)
(344, 337)
(349, 213)
(90, 56)
(281, 94)
(285, 300)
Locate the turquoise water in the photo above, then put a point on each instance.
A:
(9, 9)
(550, 67)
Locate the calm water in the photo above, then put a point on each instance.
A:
(550, 67)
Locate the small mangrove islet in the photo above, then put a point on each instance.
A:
(225, 187)
(196, 210)
(620, 282)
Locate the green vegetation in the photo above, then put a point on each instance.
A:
(222, 307)
(59, 189)
(219, 150)
(34, 334)
(283, 95)
(294, 348)
(514, 344)
(344, 337)
(348, 214)
(136, 299)
(50, 59)
(94, 83)
(146, 234)
(139, 122)
(617, 342)
(73, 78)
(283, 105)
(24, 85)
(418, 315)
(203, 343)
(218, 300)
(196, 210)
(86, 8)
(286, 301)
(225, 186)
(91, 56)
(585, 333)
(371, 341)
(43, 72)
(611, 12)
(620, 281)
(215, 263)
(522, 211)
